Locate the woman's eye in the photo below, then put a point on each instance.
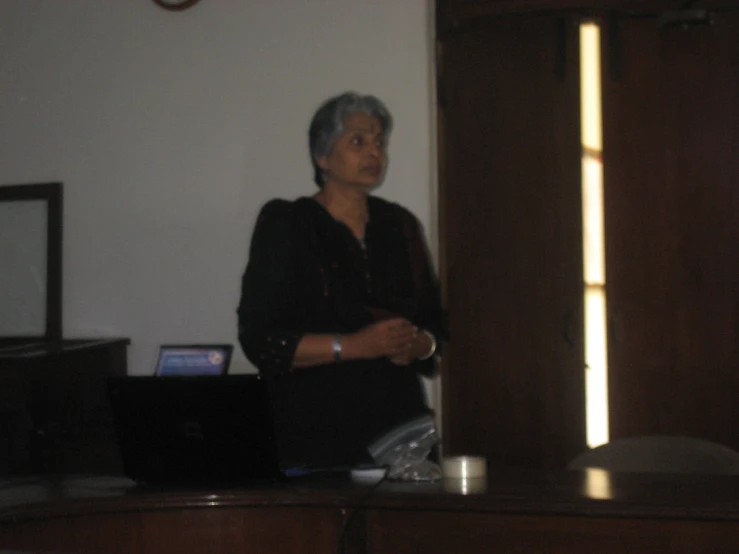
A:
(357, 140)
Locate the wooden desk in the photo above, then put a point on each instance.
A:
(521, 512)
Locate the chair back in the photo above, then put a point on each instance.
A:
(660, 454)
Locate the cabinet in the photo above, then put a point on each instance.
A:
(54, 413)
(510, 211)
(672, 243)
(513, 380)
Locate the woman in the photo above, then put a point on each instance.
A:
(340, 307)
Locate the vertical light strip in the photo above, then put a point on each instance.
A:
(596, 348)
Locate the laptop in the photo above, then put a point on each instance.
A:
(195, 431)
(193, 359)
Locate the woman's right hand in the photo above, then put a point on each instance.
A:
(388, 338)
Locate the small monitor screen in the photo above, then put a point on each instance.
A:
(193, 360)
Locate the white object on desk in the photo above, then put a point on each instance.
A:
(371, 475)
(464, 467)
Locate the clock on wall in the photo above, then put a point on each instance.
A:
(176, 5)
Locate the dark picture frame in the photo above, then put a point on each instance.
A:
(52, 195)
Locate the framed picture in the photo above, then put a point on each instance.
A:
(31, 271)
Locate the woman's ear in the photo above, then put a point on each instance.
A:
(322, 162)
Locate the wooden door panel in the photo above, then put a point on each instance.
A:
(510, 212)
(671, 170)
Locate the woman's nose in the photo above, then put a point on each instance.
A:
(375, 149)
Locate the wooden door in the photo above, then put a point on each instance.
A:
(511, 248)
(671, 177)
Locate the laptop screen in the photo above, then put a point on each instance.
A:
(192, 360)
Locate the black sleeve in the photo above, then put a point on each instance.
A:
(430, 314)
(269, 291)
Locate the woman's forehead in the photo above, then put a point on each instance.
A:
(362, 122)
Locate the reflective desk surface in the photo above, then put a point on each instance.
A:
(585, 493)
(509, 512)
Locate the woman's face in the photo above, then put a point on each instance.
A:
(358, 157)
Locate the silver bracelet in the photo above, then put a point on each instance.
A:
(336, 348)
(432, 350)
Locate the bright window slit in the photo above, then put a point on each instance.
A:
(596, 347)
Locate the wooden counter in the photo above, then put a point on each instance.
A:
(515, 511)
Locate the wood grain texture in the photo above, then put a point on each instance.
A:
(672, 241)
(515, 511)
(512, 255)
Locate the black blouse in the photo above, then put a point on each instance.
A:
(307, 273)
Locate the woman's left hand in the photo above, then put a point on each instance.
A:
(419, 346)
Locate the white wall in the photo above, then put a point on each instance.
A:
(170, 130)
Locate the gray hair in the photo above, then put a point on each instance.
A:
(328, 123)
